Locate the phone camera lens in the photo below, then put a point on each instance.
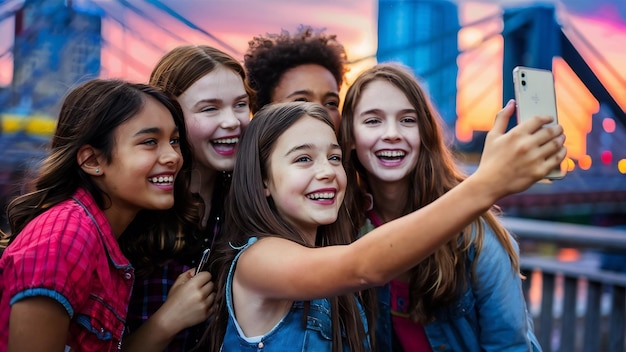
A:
(523, 74)
(523, 83)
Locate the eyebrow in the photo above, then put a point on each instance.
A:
(309, 146)
(375, 110)
(309, 92)
(151, 130)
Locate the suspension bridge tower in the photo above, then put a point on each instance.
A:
(422, 34)
(55, 48)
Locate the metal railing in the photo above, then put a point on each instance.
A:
(581, 308)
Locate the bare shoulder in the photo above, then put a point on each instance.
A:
(269, 247)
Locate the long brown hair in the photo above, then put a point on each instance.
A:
(441, 278)
(182, 66)
(175, 72)
(250, 213)
(90, 115)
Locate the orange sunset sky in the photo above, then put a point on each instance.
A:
(130, 50)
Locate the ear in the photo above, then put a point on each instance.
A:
(266, 190)
(87, 158)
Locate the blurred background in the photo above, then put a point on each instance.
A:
(462, 51)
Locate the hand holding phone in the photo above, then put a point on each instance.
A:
(203, 260)
(535, 96)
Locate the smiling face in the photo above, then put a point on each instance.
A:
(145, 161)
(312, 83)
(386, 133)
(216, 109)
(306, 179)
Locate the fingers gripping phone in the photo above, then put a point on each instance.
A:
(203, 260)
(535, 96)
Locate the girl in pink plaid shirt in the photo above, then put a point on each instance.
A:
(119, 157)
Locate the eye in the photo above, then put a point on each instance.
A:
(371, 121)
(332, 104)
(149, 142)
(336, 158)
(241, 105)
(408, 120)
(301, 99)
(209, 109)
(303, 159)
(175, 141)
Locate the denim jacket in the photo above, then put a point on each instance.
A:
(491, 315)
(289, 334)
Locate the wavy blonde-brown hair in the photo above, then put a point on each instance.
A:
(441, 278)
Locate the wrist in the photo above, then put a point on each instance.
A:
(163, 326)
(483, 193)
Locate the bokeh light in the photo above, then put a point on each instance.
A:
(608, 124)
(584, 162)
(571, 165)
(606, 157)
(621, 166)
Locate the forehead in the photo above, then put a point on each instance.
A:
(309, 77)
(306, 131)
(219, 83)
(381, 94)
(152, 114)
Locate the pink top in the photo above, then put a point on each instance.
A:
(411, 335)
(69, 254)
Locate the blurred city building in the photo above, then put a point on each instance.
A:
(60, 43)
(424, 35)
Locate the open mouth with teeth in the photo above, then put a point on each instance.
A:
(321, 196)
(391, 155)
(166, 180)
(225, 142)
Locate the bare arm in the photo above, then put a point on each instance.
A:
(279, 269)
(38, 324)
(188, 303)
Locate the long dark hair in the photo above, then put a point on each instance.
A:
(90, 115)
(250, 213)
(439, 279)
(175, 72)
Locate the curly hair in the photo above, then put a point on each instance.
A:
(269, 56)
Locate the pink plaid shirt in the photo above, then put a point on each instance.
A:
(69, 253)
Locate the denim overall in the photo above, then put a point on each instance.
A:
(289, 334)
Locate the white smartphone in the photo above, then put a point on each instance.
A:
(535, 95)
(203, 261)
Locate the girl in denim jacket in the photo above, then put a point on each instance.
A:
(467, 295)
(289, 266)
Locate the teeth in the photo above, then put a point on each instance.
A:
(325, 195)
(226, 141)
(162, 179)
(391, 154)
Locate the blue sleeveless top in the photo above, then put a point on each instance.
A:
(289, 334)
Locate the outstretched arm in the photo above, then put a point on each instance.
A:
(188, 303)
(511, 162)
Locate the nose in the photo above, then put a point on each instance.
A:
(230, 120)
(391, 132)
(171, 156)
(325, 171)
